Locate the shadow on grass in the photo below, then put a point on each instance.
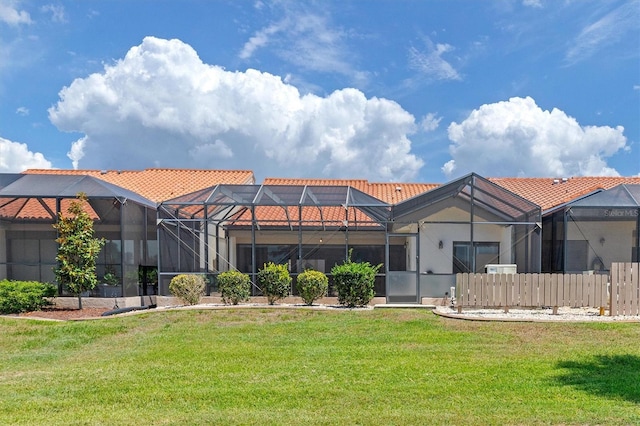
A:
(613, 376)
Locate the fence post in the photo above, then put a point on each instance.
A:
(615, 285)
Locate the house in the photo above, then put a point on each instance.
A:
(122, 203)
(208, 221)
(588, 222)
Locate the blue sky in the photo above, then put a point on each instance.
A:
(378, 90)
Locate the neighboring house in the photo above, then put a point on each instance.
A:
(207, 221)
(588, 222)
(123, 205)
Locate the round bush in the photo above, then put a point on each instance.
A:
(188, 288)
(275, 281)
(234, 286)
(355, 282)
(312, 285)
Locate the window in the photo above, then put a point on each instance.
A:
(485, 253)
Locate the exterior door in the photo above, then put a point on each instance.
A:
(402, 276)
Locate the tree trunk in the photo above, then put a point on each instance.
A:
(80, 301)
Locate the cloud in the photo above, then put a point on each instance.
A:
(76, 153)
(260, 39)
(162, 106)
(431, 63)
(307, 40)
(611, 28)
(430, 122)
(57, 12)
(532, 3)
(10, 14)
(23, 111)
(15, 157)
(518, 138)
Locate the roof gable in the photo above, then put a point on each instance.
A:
(621, 196)
(476, 190)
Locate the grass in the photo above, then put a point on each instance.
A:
(270, 366)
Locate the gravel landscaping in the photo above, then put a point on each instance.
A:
(533, 315)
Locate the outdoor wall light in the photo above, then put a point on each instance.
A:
(440, 245)
(601, 241)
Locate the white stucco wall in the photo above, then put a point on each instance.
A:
(611, 241)
(440, 261)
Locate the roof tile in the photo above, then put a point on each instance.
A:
(390, 193)
(161, 184)
(550, 192)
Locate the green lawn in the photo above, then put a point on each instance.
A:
(285, 366)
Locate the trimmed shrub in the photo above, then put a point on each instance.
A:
(354, 282)
(275, 281)
(234, 286)
(312, 285)
(24, 296)
(187, 287)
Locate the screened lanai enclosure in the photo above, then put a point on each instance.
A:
(466, 225)
(589, 234)
(29, 206)
(421, 242)
(245, 226)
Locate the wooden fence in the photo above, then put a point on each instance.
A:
(625, 289)
(531, 290)
(554, 290)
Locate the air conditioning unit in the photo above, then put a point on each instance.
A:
(501, 269)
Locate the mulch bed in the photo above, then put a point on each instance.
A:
(65, 314)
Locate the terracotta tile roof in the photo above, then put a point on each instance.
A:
(552, 192)
(34, 209)
(331, 217)
(390, 193)
(161, 184)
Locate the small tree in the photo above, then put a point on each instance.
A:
(275, 281)
(355, 282)
(78, 249)
(234, 286)
(312, 285)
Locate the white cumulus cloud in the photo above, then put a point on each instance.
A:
(10, 14)
(15, 157)
(161, 106)
(518, 138)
